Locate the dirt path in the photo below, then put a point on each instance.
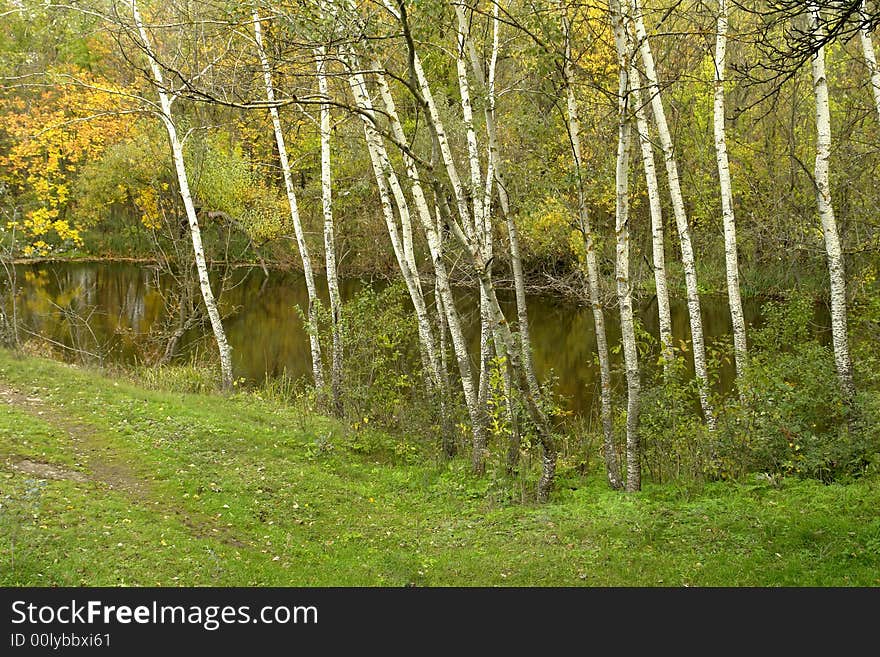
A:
(104, 465)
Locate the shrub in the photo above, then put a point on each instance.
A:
(790, 417)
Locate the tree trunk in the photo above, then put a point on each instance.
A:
(388, 184)
(870, 57)
(165, 102)
(681, 221)
(730, 252)
(317, 362)
(330, 239)
(657, 239)
(624, 289)
(442, 143)
(435, 247)
(826, 214)
(494, 174)
(477, 232)
(612, 468)
(420, 88)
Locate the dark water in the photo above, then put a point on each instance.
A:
(109, 308)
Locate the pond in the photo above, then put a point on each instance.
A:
(108, 309)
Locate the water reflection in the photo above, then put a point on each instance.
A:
(108, 310)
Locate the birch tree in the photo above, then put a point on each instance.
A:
(681, 220)
(624, 290)
(329, 236)
(308, 272)
(420, 88)
(830, 233)
(392, 195)
(658, 249)
(730, 251)
(573, 127)
(870, 56)
(448, 315)
(166, 100)
(483, 191)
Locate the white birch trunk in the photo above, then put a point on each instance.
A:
(308, 273)
(435, 247)
(681, 221)
(439, 133)
(476, 254)
(494, 174)
(612, 469)
(165, 102)
(870, 56)
(389, 185)
(330, 238)
(730, 251)
(657, 239)
(833, 250)
(478, 232)
(624, 288)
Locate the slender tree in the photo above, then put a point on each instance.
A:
(166, 100)
(678, 209)
(870, 57)
(658, 250)
(573, 126)
(833, 250)
(484, 72)
(623, 46)
(730, 251)
(308, 272)
(419, 86)
(329, 236)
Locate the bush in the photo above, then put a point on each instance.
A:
(383, 378)
(790, 417)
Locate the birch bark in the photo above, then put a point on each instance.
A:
(308, 273)
(486, 83)
(612, 469)
(730, 251)
(421, 88)
(330, 237)
(870, 56)
(435, 247)
(681, 221)
(165, 102)
(657, 239)
(833, 250)
(624, 289)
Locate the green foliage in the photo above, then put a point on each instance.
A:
(672, 428)
(225, 181)
(238, 491)
(384, 384)
(790, 417)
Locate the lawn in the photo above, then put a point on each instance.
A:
(104, 483)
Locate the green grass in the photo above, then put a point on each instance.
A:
(188, 490)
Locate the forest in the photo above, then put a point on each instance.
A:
(513, 256)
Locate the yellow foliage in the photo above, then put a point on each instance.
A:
(545, 230)
(49, 137)
(147, 201)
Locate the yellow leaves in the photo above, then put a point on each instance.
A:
(48, 138)
(147, 201)
(545, 229)
(66, 232)
(39, 221)
(37, 248)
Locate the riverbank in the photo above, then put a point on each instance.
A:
(103, 482)
(767, 280)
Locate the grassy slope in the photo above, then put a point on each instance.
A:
(181, 489)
